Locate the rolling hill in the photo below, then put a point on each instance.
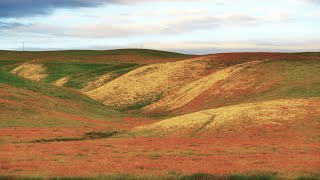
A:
(144, 56)
(211, 81)
(248, 82)
(26, 103)
(148, 84)
(299, 113)
(96, 113)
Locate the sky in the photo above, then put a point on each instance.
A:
(187, 26)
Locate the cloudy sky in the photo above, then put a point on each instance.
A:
(190, 26)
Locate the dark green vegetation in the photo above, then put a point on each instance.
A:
(87, 136)
(83, 54)
(82, 73)
(99, 135)
(43, 88)
(7, 63)
(309, 53)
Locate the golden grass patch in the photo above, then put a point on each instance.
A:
(36, 72)
(148, 84)
(61, 82)
(275, 112)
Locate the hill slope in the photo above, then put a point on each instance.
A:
(290, 112)
(148, 84)
(27, 103)
(211, 81)
(247, 82)
(144, 56)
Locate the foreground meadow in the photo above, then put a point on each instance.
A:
(282, 151)
(117, 115)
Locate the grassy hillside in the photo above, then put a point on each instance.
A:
(260, 81)
(80, 74)
(26, 103)
(77, 75)
(76, 68)
(243, 113)
(212, 81)
(148, 84)
(94, 56)
(301, 113)
(84, 53)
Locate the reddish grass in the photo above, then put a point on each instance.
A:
(233, 91)
(28, 134)
(287, 150)
(235, 58)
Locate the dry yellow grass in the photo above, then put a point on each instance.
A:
(148, 84)
(100, 81)
(61, 82)
(278, 112)
(36, 72)
(187, 93)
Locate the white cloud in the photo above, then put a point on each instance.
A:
(122, 26)
(310, 1)
(279, 45)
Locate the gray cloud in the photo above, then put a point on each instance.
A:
(9, 25)
(23, 8)
(26, 8)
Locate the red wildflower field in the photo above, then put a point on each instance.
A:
(286, 150)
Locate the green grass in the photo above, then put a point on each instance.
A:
(73, 103)
(300, 79)
(60, 70)
(6, 63)
(43, 88)
(145, 52)
(79, 81)
(308, 53)
(81, 73)
(76, 54)
(25, 120)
